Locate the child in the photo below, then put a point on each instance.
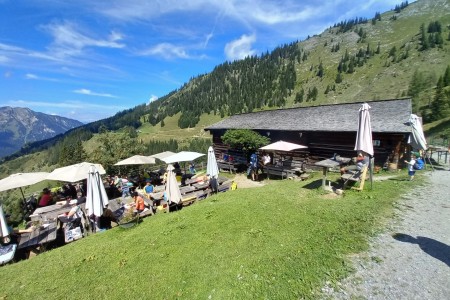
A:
(411, 163)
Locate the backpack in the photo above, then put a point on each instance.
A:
(419, 164)
(254, 160)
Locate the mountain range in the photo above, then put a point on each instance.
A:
(19, 126)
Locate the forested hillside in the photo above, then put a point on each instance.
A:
(402, 52)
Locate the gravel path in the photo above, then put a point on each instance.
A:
(411, 259)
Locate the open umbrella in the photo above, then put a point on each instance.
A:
(172, 189)
(364, 136)
(136, 160)
(211, 168)
(162, 155)
(282, 146)
(182, 156)
(20, 180)
(74, 173)
(96, 197)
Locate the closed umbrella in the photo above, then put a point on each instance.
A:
(20, 180)
(211, 168)
(74, 173)
(4, 231)
(417, 138)
(6, 251)
(136, 160)
(364, 136)
(172, 189)
(96, 197)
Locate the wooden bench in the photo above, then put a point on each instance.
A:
(358, 176)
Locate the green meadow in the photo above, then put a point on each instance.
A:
(282, 240)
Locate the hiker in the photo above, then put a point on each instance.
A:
(411, 163)
(253, 168)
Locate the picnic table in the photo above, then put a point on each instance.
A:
(37, 239)
(330, 163)
(52, 211)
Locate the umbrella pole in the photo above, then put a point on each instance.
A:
(371, 161)
(23, 195)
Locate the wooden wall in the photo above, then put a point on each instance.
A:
(322, 145)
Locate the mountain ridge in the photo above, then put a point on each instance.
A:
(20, 126)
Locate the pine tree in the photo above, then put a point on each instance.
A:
(338, 78)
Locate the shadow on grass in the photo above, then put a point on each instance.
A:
(432, 247)
(313, 184)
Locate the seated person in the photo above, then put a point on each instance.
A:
(360, 161)
(106, 218)
(266, 159)
(46, 198)
(14, 233)
(148, 189)
(138, 202)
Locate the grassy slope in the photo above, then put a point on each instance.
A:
(280, 241)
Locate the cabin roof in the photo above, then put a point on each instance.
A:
(386, 116)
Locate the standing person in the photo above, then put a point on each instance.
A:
(254, 166)
(411, 163)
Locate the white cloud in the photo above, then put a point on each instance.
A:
(91, 93)
(240, 48)
(152, 98)
(69, 40)
(166, 50)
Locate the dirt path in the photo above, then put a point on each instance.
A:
(411, 259)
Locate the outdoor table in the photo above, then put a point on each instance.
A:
(39, 237)
(52, 211)
(326, 164)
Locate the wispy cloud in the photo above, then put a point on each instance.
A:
(31, 76)
(240, 48)
(69, 40)
(91, 93)
(167, 51)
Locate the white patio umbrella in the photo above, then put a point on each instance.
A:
(74, 173)
(182, 156)
(20, 180)
(364, 136)
(211, 168)
(172, 189)
(136, 160)
(282, 146)
(417, 138)
(96, 197)
(4, 232)
(162, 155)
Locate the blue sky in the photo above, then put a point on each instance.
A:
(88, 59)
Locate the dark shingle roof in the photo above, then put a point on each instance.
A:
(386, 116)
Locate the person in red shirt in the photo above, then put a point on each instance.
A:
(46, 198)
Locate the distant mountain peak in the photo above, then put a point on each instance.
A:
(21, 125)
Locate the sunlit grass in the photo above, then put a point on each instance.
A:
(280, 241)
